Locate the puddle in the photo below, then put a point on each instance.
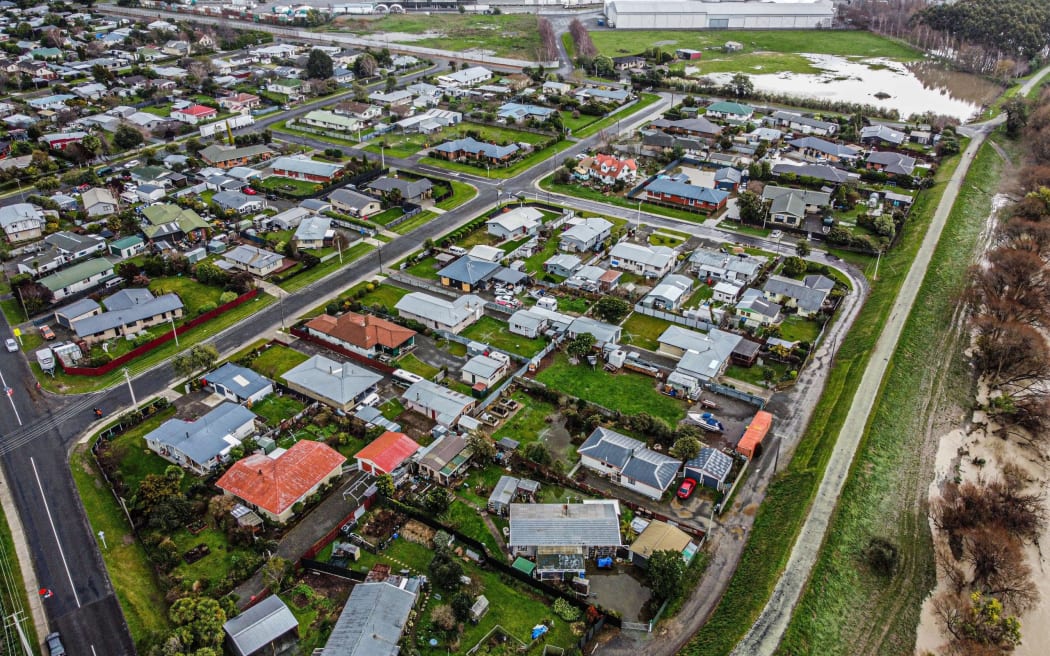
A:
(913, 87)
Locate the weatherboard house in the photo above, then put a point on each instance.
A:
(238, 384)
(628, 462)
(202, 445)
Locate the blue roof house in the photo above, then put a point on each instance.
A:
(204, 444)
(238, 384)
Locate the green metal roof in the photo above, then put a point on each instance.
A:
(126, 242)
(522, 565)
(76, 273)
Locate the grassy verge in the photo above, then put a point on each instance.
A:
(63, 383)
(885, 611)
(782, 512)
(461, 193)
(644, 100)
(327, 267)
(13, 593)
(586, 193)
(413, 223)
(130, 570)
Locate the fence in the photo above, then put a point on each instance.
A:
(696, 324)
(333, 570)
(366, 361)
(411, 209)
(159, 341)
(734, 393)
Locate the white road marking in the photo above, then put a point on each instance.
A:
(10, 398)
(61, 551)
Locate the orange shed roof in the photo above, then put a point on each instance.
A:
(388, 450)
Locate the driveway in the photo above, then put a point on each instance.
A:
(427, 351)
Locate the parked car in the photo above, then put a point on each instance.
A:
(688, 485)
(47, 333)
(132, 164)
(11, 344)
(776, 234)
(54, 644)
(248, 191)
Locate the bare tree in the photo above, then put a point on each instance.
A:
(582, 39)
(548, 50)
(1012, 355)
(998, 568)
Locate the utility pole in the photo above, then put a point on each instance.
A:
(127, 377)
(173, 332)
(878, 257)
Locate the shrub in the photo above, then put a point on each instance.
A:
(566, 611)
(227, 297)
(207, 307)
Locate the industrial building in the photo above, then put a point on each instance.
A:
(714, 15)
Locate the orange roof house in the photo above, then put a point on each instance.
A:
(273, 484)
(754, 434)
(386, 453)
(362, 333)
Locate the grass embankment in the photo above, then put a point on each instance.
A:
(781, 514)
(882, 497)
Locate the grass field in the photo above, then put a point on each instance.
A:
(192, 293)
(287, 186)
(845, 43)
(627, 392)
(799, 329)
(781, 514)
(416, 366)
(879, 497)
(505, 35)
(275, 409)
(385, 295)
(528, 422)
(276, 360)
(643, 331)
(497, 335)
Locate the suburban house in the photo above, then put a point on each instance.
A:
(528, 323)
(483, 372)
(731, 112)
(468, 273)
(235, 201)
(373, 619)
(806, 296)
(239, 102)
(804, 124)
(643, 260)
(510, 489)
(386, 453)
(301, 167)
(698, 127)
(438, 403)
(391, 99)
(354, 203)
(756, 311)
(227, 157)
(327, 120)
(62, 140)
(892, 164)
(466, 77)
(204, 444)
(127, 315)
(683, 194)
(604, 333)
(710, 468)
(562, 264)
(515, 223)
(705, 356)
(728, 179)
(67, 315)
(824, 172)
(726, 292)
(817, 149)
(238, 384)
(21, 221)
(584, 234)
(60, 248)
(789, 207)
(366, 334)
(628, 462)
(670, 293)
(602, 95)
(340, 385)
(661, 536)
(314, 232)
(517, 112)
(471, 148)
(359, 110)
(288, 86)
(586, 528)
(608, 169)
(275, 484)
(194, 114)
(169, 220)
(98, 201)
(266, 629)
(874, 135)
(256, 261)
(445, 459)
(80, 277)
(441, 314)
(412, 191)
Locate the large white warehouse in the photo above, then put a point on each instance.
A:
(715, 14)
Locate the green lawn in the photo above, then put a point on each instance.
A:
(534, 263)
(326, 137)
(192, 293)
(587, 193)
(644, 331)
(799, 329)
(528, 422)
(702, 293)
(467, 521)
(392, 409)
(386, 216)
(496, 334)
(573, 305)
(780, 516)
(385, 295)
(644, 100)
(140, 595)
(627, 392)
(288, 186)
(275, 409)
(502, 35)
(416, 366)
(354, 252)
(407, 145)
(461, 193)
(419, 219)
(426, 268)
(276, 360)
(67, 384)
(520, 165)
(845, 42)
(754, 374)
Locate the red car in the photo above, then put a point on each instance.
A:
(249, 191)
(688, 485)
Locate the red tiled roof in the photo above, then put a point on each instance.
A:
(388, 450)
(278, 484)
(197, 110)
(362, 330)
(613, 164)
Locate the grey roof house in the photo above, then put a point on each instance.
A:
(584, 234)
(373, 619)
(436, 402)
(313, 231)
(120, 319)
(411, 190)
(573, 525)
(468, 273)
(629, 462)
(702, 356)
(256, 261)
(340, 385)
(710, 468)
(439, 313)
(268, 628)
(202, 445)
(807, 296)
(239, 384)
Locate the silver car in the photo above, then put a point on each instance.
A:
(11, 344)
